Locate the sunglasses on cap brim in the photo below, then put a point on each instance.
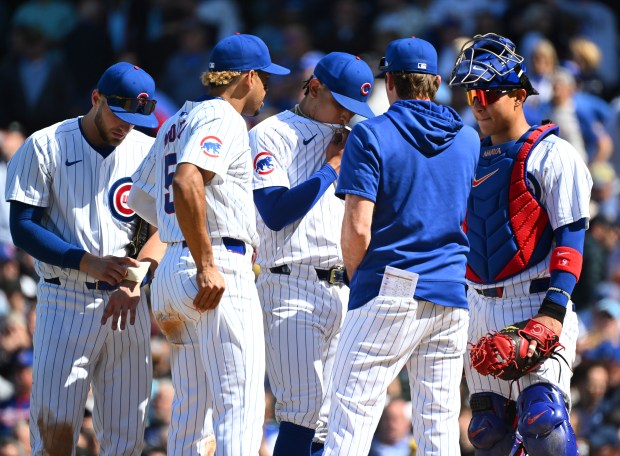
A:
(485, 97)
(132, 105)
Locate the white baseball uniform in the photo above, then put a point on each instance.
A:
(84, 195)
(191, 422)
(302, 314)
(565, 184)
(230, 337)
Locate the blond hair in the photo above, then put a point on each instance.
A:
(411, 86)
(586, 53)
(219, 78)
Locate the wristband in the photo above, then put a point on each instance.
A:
(553, 310)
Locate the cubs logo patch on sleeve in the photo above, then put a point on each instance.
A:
(211, 146)
(264, 163)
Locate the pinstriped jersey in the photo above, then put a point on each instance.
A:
(85, 194)
(560, 180)
(213, 136)
(286, 150)
(154, 175)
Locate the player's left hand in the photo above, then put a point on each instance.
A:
(122, 301)
(551, 323)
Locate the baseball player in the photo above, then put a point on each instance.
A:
(526, 219)
(204, 296)
(191, 425)
(67, 186)
(405, 176)
(296, 156)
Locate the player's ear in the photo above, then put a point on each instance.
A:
(313, 87)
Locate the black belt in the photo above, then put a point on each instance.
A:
(536, 286)
(98, 285)
(333, 275)
(231, 244)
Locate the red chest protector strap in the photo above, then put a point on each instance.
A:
(528, 218)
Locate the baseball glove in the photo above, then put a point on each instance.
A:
(139, 238)
(503, 354)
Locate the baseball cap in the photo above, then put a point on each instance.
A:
(413, 55)
(349, 79)
(241, 52)
(129, 91)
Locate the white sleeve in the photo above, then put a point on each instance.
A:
(145, 176)
(271, 158)
(29, 175)
(143, 203)
(212, 133)
(564, 179)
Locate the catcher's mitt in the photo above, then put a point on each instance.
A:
(504, 354)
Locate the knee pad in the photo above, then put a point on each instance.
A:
(491, 429)
(543, 422)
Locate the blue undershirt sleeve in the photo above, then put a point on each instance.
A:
(281, 206)
(29, 235)
(571, 235)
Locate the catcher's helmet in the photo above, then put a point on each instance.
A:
(489, 62)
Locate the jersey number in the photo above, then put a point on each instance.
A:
(170, 163)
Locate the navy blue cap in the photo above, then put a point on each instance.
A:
(413, 55)
(243, 52)
(349, 79)
(126, 80)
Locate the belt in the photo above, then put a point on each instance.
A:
(333, 275)
(98, 285)
(232, 245)
(536, 286)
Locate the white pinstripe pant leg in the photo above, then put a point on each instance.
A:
(191, 420)
(303, 317)
(122, 387)
(235, 359)
(376, 341)
(435, 373)
(493, 314)
(71, 350)
(67, 341)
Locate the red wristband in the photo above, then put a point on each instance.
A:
(566, 259)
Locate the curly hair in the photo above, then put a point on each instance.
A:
(219, 78)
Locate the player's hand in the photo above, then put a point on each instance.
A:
(211, 286)
(551, 323)
(333, 153)
(110, 269)
(122, 301)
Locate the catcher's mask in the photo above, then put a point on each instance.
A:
(489, 62)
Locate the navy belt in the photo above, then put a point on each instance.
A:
(231, 244)
(98, 285)
(536, 286)
(333, 275)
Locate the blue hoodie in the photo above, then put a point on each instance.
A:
(416, 162)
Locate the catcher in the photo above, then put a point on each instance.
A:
(526, 219)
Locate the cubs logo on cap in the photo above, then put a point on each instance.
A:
(349, 79)
(117, 200)
(129, 89)
(264, 163)
(211, 146)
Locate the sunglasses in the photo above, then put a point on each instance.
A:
(133, 105)
(485, 97)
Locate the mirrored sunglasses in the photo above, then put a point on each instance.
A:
(485, 97)
(133, 105)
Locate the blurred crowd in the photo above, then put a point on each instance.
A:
(53, 51)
